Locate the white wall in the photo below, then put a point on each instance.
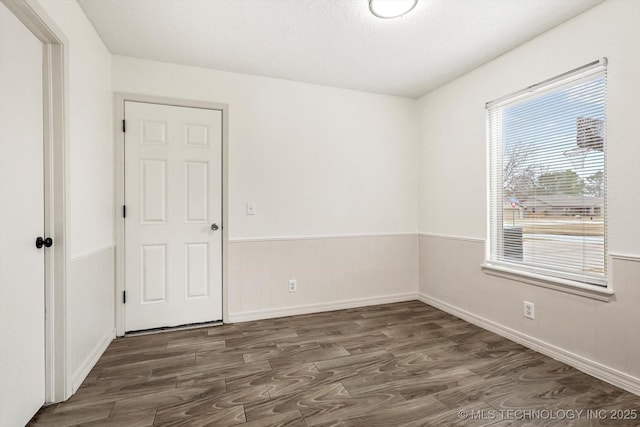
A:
(90, 290)
(453, 165)
(453, 191)
(316, 160)
(90, 133)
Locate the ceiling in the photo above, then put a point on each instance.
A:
(330, 42)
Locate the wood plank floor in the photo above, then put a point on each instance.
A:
(405, 364)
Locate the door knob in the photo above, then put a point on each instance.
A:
(46, 242)
(214, 227)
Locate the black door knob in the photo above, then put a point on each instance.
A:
(214, 227)
(46, 242)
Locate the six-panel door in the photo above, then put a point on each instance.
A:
(173, 195)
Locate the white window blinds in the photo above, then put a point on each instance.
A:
(547, 177)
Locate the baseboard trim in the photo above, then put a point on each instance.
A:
(81, 373)
(595, 369)
(319, 308)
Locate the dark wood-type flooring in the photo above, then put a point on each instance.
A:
(405, 364)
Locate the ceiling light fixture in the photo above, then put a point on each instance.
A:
(391, 8)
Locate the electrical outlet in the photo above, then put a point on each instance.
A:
(293, 285)
(529, 310)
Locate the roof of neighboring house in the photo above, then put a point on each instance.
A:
(562, 200)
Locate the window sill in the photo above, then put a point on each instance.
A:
(562, 285)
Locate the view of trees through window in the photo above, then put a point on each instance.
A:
(553, 176)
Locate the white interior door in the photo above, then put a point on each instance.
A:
(22, 383)
(173, 197)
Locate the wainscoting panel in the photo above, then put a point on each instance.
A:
(90, 310)
(331, 273)
(598, 337)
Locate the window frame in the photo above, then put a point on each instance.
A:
(556, 279)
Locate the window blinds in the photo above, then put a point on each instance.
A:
(547, 177)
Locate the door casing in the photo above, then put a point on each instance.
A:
(56, 151)
(120, 99)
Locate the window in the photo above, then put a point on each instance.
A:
(547, 178)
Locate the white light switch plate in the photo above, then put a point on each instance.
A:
(251, 208)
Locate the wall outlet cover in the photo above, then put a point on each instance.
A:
(529, 310)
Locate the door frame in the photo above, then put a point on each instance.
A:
(55, 154)
(120, 99)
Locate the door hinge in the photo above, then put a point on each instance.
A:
(124, 297)
(124, 126)
(124, 211)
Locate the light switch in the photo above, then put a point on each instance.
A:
(251, 208)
